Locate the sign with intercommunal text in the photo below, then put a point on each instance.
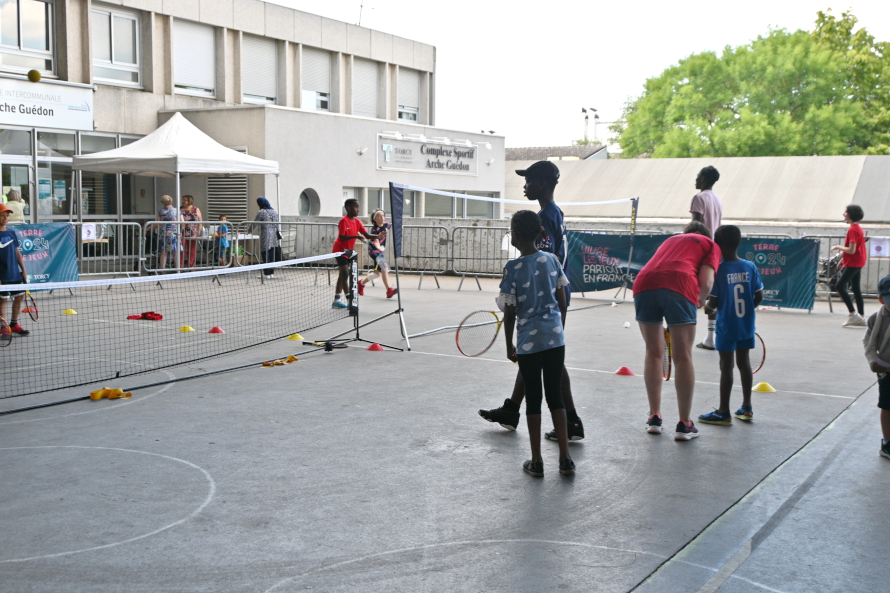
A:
(787, 266)
(48, 105)
(49, 251)
(429, 156)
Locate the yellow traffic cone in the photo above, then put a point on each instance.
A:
(186, 328)
(764, 387)
(295, 337)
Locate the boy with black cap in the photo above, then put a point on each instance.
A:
(877, 351)
(707, 208)
(540, 181)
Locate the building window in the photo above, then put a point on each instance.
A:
(365, 83)
(409, 94)
(114, 37)
(316, 75)
(194, 59)
(26, 34)
(478, 208)
(259, 65)
(436, 206)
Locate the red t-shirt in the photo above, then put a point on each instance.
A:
(350, 227)
(676, 264)
(855, 235)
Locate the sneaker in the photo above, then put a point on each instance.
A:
(685, 433)
(339, 305)
(653, 425)
(361, 289)
(390, 292)
(885, 449)
(745, 413)
(566, 467)
(18, 329)
(535, 469)
(507, 416)
(4, 331)
(855, 320)
(704, 346)
(716, 417)
(576, 431)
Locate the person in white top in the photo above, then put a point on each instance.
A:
(708, 209)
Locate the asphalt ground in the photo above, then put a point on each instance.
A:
(371, 471)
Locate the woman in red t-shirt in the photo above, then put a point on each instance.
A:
(855, 256)
(670, 287)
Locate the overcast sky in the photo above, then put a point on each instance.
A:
(525, 68)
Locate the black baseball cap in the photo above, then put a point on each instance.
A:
(884, 286)
(540, 170)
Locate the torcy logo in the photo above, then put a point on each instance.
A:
(82, 107)
(387, 151)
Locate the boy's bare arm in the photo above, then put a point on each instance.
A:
(509, 323)
(561, 301)
(21, 260)
(712, 304)
(758, 297)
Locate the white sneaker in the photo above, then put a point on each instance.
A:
(855, 320)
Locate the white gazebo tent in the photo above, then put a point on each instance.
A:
(177, 149)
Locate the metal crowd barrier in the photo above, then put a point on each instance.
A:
(298, 240)
(108, 248)
(874, 270)
(480, 251)
(196, 244)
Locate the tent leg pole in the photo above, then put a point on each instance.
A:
(278, 192)
(177, 252)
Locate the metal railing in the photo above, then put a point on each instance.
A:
(874, 270)
(480, 251)
(108, 248)
(298, 240)
(197, 246)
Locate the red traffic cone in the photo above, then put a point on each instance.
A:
(375, 348)
(625, 371)
(216, 330)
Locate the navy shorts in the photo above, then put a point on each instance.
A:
(341, 261)
(884, 392)
(11, 294)
(731, 345)
(653, 306)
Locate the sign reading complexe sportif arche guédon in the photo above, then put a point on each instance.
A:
(37, 104)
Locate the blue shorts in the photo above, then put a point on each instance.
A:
(653, 306)
(731, 345)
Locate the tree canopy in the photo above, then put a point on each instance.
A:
(825, 92)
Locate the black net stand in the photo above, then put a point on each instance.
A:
(352, 302)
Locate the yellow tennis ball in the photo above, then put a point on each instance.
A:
(34, 76)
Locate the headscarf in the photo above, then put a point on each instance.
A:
(263, 203)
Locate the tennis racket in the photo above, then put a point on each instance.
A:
(757, 355)
(5, 333)
(477, 332)
(667, 354)
(31, 306)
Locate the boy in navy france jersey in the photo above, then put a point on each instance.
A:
(12, 275)
(736, 293)
(540, 182)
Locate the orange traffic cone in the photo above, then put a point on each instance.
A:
(216, 330)
(375, 348)
(625, 371)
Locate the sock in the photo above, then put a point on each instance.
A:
(337, 297)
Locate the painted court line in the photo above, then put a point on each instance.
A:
(612, 373)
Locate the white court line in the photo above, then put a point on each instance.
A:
(490, 542)
(612, 373)
(192, 515)
(115, 406)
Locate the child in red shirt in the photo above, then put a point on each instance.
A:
(855, 256)
(349, 229)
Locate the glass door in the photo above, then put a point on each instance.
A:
(15, 177)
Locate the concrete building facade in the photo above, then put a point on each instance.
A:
(343, 109)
